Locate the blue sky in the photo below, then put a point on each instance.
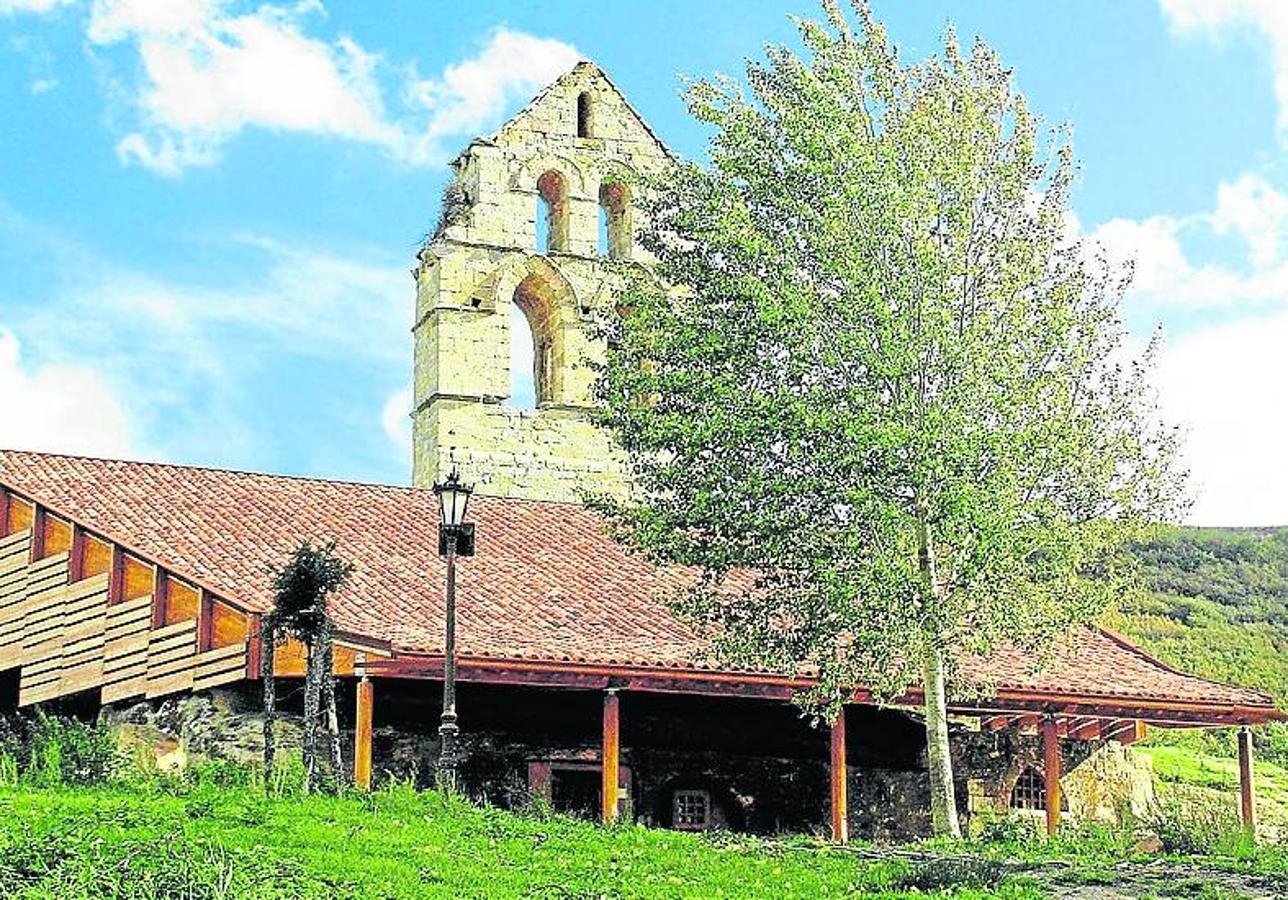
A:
(208, 209)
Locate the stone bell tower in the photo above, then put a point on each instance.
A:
(572, 153)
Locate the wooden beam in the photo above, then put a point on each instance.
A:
(611, 755)
(116, 580)
(839, 806)
(4, 513)
(1247, 797)
(76, 562)
(362, 732)
(997, 723)
(205, 620)
(1051, 771)
(160, 596)
(1086, 730)
(254, 646)
(38, 532)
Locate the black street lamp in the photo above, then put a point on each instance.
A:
(455, 538)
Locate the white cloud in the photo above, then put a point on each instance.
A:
(59, 409)
(1226, 386)
(395, 418)
(470, 96)
(30, 6)
(1223, 383)
(208, 73)
(1215, 18)
(1249, 209)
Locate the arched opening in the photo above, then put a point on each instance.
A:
(615, 237)
(523, 385)
(541, 348)
(1029, 791)
(585, 124)
(552, 212)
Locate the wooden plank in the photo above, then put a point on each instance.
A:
(839, 782)
(219, 666)
(205, 681)
(123, 690)
(171, 684)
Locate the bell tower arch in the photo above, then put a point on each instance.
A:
(523, 232)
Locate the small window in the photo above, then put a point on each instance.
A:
(615, 238)
(585, 125)
(691, 810)
(1029, 791)
(552, 212)
(228, 626)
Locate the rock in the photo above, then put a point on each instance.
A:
(221, 724)
(1112, 785)
(1149, 844)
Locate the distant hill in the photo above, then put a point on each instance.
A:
(1217, 606)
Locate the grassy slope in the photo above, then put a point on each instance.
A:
(1217, 606)
(123, 842)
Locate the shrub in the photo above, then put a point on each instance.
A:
(1193, 823)
(50, 750)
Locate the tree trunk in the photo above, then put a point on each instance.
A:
(939, 761)
(266, 636)
(328, 702)
(312, 695)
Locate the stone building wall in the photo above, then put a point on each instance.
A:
(485, 259)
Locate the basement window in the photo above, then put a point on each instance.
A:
(1029, 791)
(691, 810)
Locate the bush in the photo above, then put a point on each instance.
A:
(52, 750)
(1194, 823)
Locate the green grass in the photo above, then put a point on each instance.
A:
(1194, 767)
(117, 841)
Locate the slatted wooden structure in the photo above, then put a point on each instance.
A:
(67, 634)
(80, 613)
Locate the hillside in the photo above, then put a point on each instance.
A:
(1217, 605)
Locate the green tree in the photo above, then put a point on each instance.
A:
(301, 589)
(875, 389)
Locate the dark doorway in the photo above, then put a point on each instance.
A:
(576, 791)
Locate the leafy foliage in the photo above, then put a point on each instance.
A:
(301, 588)
(875, 366)
(52, 750)
(1217, 606)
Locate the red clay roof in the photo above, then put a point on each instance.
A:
(546, 584)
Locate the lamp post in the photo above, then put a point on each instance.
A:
(455, 538)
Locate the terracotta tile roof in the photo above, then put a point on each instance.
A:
(546, 584)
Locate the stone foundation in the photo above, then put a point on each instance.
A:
(761, 768)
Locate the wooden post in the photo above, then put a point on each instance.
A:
(76, 562)
(4, 513)
(37, 533)
(205, 620)
(839, 782)
(1051, 767)
(362, 735)
(611, 756)
(1247, 799)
